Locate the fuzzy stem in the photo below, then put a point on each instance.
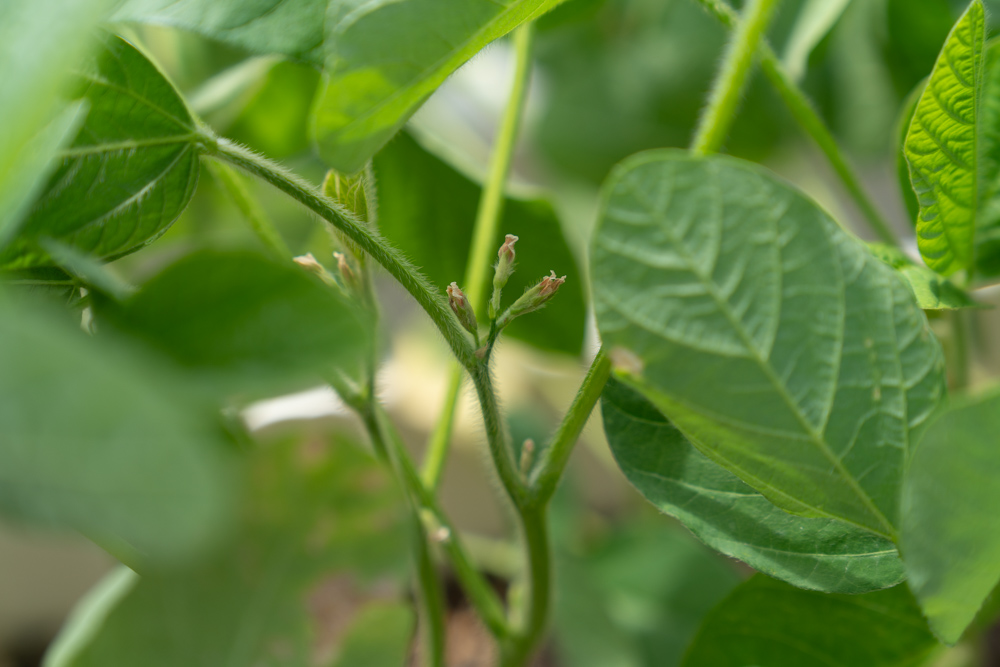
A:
(379, 249)
(732, 78)
(803, 112)
(482, 250)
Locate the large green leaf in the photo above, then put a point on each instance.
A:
(324, 532)
(941, 148)
(775, 341)
(244, 320)
(950, 535)
(385, 58)
(988, 214)
(820, 554)
(128, 174)
(39, 42)
(427, 208)
(286, 27)
(94, 437)
(634, 597)
(768, 623)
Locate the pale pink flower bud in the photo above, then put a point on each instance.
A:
(533, 299)
(463, 311)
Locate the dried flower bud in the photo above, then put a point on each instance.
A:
(460, 306)
(347, 274)
(312, 265)
(504, 268)
(527, 456)
(533, 299)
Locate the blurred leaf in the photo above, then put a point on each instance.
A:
(427, 209)
(914, 33)
(324, 531)
(902, 168)
(291, 28)
(941, 148)
(379, 637)
(96, 438)
(128, 174)
(819, 554)
(384, 59)
(635, 75)
(988, 214)
(951, 527)
(933, 292)
(274, 121)
(39, 41)
(765, 622)
(774, 340)
(636, 597)
(814, 21)
(88, 271)
(242, 319)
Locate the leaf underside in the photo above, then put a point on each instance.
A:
(819, 554)
(384, 59)
(941, 148)
(128, 174)
(774, 340)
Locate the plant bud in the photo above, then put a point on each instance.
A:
(347, 274)
(351, 191)
(460, 306)
(505, 265)
(533, 299)
(312, 265)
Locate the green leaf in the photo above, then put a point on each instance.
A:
(902, 168)
(819, 554)
(942, 150)
(635, 597)
(988, 214)
(385, 58)
(932, 291)
(243, 320)
(951, 529)
(775, 341)
(39, 42)
(765, 622)
(324, 532)
(814, 21)
(128, 174)
(97, 438)
(291, 28)
(427, 209)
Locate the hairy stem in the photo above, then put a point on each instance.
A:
(516, 650)
(733, 76)
(236, 188)
(548, 472)
(484, 234)
(430, 299)
(803, 112)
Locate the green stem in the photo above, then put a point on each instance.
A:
(477, 589)
(431, 596)
(803, 112)
(732, 78)
(236, 188)
(515, 651)
(484, 235)
(960, 355)
(379, 249)
(500, 453)
(549, 471)
(437, 447)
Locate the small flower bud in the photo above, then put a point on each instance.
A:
(460, 306)
(504, 268)
(533, 299)
(347, 274)
(310, 264)
(527, 456)
(353, 192)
